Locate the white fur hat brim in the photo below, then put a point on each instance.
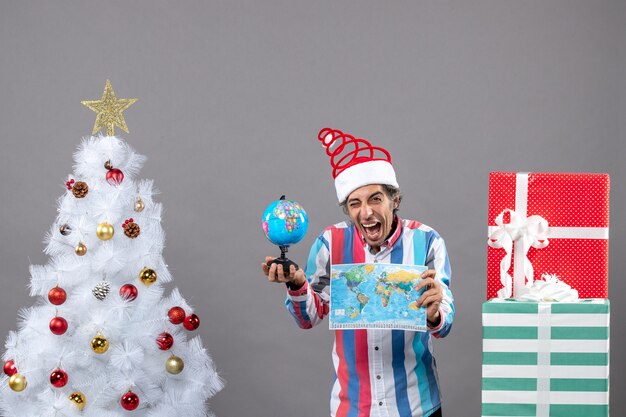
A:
(365, 173)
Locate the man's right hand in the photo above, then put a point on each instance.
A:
(275, 273)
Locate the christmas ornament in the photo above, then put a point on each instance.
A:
(58, 325)
(79, 400)
(131, 229)
(65, 229)
(165, 341)
(101, 290)
(109, 109)
(17, 382)
(57, 296)
(130, 401)
(58, 378)
(176, 315)
(80, 189)
(9, 367)
(139, 205)
(80, 249)
(99, 344)
(174, 365)
(148, 276)
(114, 176)
(104, 231)
(284, 223)
(128, 292)
(191, 322)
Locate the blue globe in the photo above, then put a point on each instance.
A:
(285, 222)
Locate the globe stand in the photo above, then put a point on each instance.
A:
(283, 260)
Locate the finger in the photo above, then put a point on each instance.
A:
(426, 282)
(266, 269)
(280, 273)
(428, 300)
(431, 273)
(430, 293)
(269, 258)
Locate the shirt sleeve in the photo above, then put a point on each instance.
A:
(437, 259)
(309, 304)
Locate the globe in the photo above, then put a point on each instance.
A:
(285, 222)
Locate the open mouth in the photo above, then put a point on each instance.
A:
(372, 230)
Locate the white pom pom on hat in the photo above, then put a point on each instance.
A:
(356, 162)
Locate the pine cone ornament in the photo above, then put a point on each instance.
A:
(101, 290)
(131, 229)
(80, 189)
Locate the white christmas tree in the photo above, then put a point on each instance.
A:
(102, 339)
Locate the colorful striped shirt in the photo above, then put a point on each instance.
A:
(382, 373)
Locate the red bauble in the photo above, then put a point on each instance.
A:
(165, 341)
(130, 401)
(10, 368)
(176, 315)
(128, 292)
(191, 322)
(58, 325)
(57, 296)
(58, 378)
(115, 176)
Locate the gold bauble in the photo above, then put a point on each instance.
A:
(99, 344)
(174, 365)
(80, 249)
(104, 231)
(148, 276)
(17, 382)
(139, 205)
(79, 399)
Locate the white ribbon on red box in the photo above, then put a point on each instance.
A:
(526, 232)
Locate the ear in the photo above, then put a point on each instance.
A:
(396, 202)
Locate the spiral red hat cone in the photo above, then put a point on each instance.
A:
(356, 162)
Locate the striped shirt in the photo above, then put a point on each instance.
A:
(382, 373)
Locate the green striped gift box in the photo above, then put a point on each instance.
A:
(545, 359)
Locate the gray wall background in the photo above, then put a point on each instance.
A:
(232, 94)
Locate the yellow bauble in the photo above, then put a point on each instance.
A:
(148, 276)
(80, 249)
(17, 382)
(79, 399)
(139, 205)
(104, 231)
(174, 365)
(99, 344)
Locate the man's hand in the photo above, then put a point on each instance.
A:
(431, 298)
(275, 273)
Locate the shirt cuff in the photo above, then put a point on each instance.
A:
(300, 291)
(439, 326)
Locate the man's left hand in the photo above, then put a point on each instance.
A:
(431, 298)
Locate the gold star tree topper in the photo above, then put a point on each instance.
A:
(109, 109)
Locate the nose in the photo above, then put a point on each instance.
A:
(366, 211)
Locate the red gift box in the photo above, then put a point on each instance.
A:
(548, 223)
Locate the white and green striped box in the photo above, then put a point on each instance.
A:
(545, 359)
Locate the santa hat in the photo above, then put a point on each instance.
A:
(356, 162)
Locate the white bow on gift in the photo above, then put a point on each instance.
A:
(549, 288)
(526, 232)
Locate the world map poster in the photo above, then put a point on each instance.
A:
(376, 296)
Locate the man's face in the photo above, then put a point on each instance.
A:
(371, 211)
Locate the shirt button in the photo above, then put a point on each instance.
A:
(377, 376)
(380, 403)
(376, 348)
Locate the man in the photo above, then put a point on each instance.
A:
(378, 372)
